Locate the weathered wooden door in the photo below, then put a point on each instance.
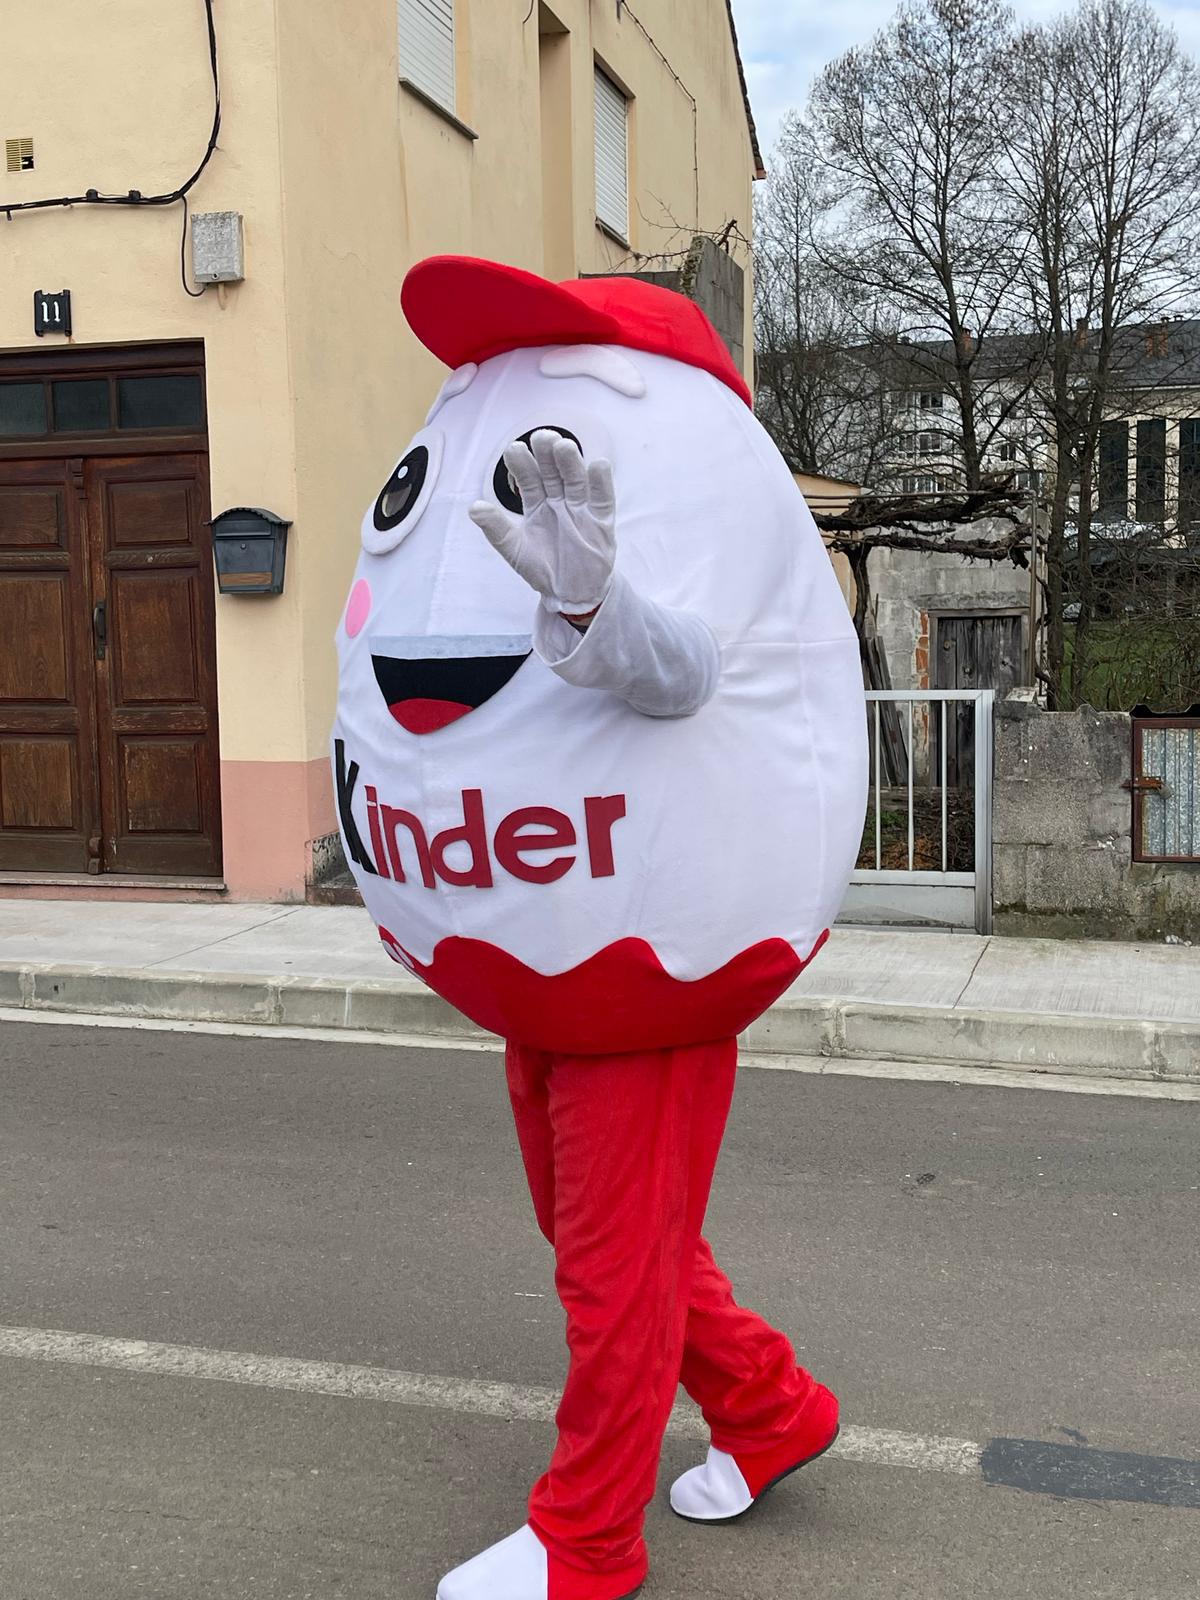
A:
(156, 691)
(49, 784)
(108, 732)
(982, 651)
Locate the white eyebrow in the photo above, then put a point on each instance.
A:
(461, 378)
(599, 361)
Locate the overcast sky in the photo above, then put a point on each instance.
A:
(785, 42)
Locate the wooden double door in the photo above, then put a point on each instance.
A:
(108, 713)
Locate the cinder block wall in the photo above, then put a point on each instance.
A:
(717, 284)
(1062, 854)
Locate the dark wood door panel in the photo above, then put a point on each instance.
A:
(162, 785)
(43, 788)
(156, 684)
(49, 793)
(155, 653)
(39, 787)
(167, 806)
(35, 630)
(155, 512)
(42, 804)
(167, 803)
(32, 515)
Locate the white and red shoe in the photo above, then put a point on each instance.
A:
(521, 1568)
(725, 1487)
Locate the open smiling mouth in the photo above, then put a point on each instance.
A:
(431, 681)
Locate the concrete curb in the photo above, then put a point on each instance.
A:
(830, 1028)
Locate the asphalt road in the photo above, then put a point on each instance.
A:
(991, 1265)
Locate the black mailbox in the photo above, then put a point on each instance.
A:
(249, 547)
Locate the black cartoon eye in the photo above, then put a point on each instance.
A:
(405, 496)
(402, 490)
(503, 486)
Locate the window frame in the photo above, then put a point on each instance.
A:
(114, 428)
(109, 362)
(607, 223)
(418, 15)
(1187, 472)
(1107, 477)
(1150, 470)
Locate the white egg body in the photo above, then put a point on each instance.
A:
(690, 842)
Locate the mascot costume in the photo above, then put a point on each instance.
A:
(600, 758)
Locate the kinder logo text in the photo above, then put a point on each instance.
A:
(401, 848)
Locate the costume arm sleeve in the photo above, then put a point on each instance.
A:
(665, 663)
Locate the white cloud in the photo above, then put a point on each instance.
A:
(784, 45)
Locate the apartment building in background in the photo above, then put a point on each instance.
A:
(1148, 468)
(160, 736)
(949, 623)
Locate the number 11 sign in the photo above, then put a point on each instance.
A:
(52, 312)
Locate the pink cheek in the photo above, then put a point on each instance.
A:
(358, 608)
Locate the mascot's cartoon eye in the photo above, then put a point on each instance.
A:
(403, 497)
(402, 490)
(503, 486)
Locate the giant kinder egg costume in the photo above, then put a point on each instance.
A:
(635, 836)
(600, 762)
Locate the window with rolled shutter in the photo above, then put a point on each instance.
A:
(612, 155)
(427, 47)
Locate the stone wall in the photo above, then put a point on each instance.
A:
(1062, 857)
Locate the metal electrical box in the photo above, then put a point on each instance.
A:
(218, 251)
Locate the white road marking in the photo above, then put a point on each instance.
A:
(815, 1066)
(881, 1447)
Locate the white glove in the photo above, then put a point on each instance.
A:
(564, 545)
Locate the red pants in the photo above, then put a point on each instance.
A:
(620, 1152)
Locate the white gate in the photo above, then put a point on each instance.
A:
(927, 847)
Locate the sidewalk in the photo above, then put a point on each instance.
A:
(895, 995)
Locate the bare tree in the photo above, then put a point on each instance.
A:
(828, 408)
(1101, 175)
(905, 137)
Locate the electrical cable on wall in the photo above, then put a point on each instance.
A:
(196, 294)
(135, 197)
(623, 7)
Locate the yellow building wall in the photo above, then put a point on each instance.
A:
(344, 179)
(124, 100)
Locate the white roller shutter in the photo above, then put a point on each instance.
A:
(427, 47)
(612, 155)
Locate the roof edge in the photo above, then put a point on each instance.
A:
(760, 170)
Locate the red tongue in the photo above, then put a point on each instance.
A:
(427, 716)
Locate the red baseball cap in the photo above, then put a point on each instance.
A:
(464, 309)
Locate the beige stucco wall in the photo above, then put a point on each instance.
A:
(374, 179)
(124, 101)
(344, 179)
